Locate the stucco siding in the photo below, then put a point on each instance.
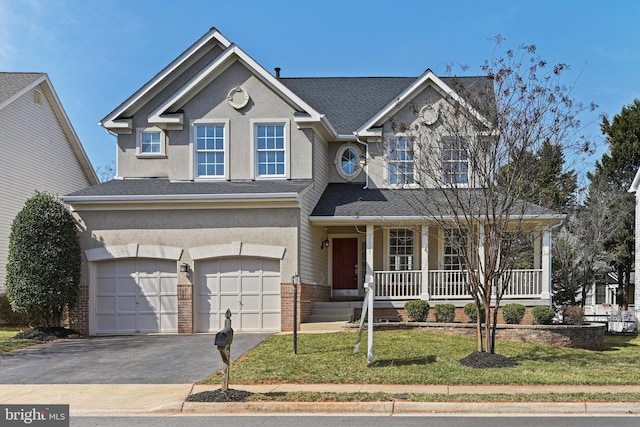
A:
(37, 156)
(193, 228)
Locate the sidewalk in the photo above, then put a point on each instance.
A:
(120, 399)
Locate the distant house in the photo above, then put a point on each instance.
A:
(40, 149)
(231, 181)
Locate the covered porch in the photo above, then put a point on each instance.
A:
(414, 261)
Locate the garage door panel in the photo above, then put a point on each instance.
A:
(136, 295)
(271, 284)
(106, 304)
(249, 287)
(229, 284)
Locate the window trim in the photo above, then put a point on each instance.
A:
(415, 247)
(338, 161)
(254, 147)
(468, 141)
(388, 161)
(194, 148)
(163, 143)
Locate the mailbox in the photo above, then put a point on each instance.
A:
(224, 338)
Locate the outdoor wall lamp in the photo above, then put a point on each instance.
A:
(184, 267)
(325, 243)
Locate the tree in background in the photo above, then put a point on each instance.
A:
(474, 168)
(613, 175)
(43, 270)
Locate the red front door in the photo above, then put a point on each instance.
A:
(345, 264)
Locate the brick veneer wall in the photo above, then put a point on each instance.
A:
(185, 308)
(79, 315)
(307, 296)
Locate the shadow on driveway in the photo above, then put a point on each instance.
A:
(136, 359)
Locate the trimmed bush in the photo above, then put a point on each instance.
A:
(513, 313)
(471, 311)
(445, 313)
(542, 315)
(573, 315)
(417, 310)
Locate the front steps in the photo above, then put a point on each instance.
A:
(333, 311)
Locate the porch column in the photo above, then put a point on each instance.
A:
(481, 254)
(369, 255)
(424, 294)
(546, 264)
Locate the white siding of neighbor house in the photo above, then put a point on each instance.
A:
(36, 156)
(313, 260)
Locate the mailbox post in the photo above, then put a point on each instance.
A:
(223, 341)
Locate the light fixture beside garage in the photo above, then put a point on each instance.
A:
(184, 267)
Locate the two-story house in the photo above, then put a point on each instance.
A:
(232, 180)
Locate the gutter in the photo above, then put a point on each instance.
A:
(274, 197)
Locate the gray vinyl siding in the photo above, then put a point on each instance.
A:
(36, 155)
(313, 260)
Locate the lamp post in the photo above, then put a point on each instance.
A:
(295, 281)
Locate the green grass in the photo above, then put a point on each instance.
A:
(421, 357)
(8, 344)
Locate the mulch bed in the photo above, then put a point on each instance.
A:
(230, 395)
(46, 333)
(481, 359)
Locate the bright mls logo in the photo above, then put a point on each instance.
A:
(35, 415)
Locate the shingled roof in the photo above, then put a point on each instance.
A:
(350, 201)
(348, 102)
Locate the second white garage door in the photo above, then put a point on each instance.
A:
(136, 295)
(249, 287)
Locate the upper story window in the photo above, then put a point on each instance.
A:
(401, 249)
(348, 161)
(150, 142)
(401, 161)
(210, 145)
(270, 143)
(455, 162)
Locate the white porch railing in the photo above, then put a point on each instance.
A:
(405, 284)
(449, 285)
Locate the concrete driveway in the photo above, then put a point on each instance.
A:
(137, 359)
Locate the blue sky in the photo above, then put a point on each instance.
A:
(97, 53)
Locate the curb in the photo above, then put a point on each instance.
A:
(406, 408)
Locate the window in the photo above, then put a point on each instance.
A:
(401, 249)
(455, 163)
(348, 161)
(400, 161)
(453, 256)
(210, 150)
(150, 142)
(270, 150)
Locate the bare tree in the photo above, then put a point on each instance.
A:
(470, 165)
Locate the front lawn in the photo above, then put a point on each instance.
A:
(8, 344)
(421, 357)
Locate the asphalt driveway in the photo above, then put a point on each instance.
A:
(137, 359)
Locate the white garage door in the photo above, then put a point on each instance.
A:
(136, 295)
(249, 287)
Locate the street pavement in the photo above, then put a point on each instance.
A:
(161, 371)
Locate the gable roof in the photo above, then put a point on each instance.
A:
(15, 85)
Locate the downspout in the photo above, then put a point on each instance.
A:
(366, 161)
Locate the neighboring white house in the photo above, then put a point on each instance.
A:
(40, 149)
